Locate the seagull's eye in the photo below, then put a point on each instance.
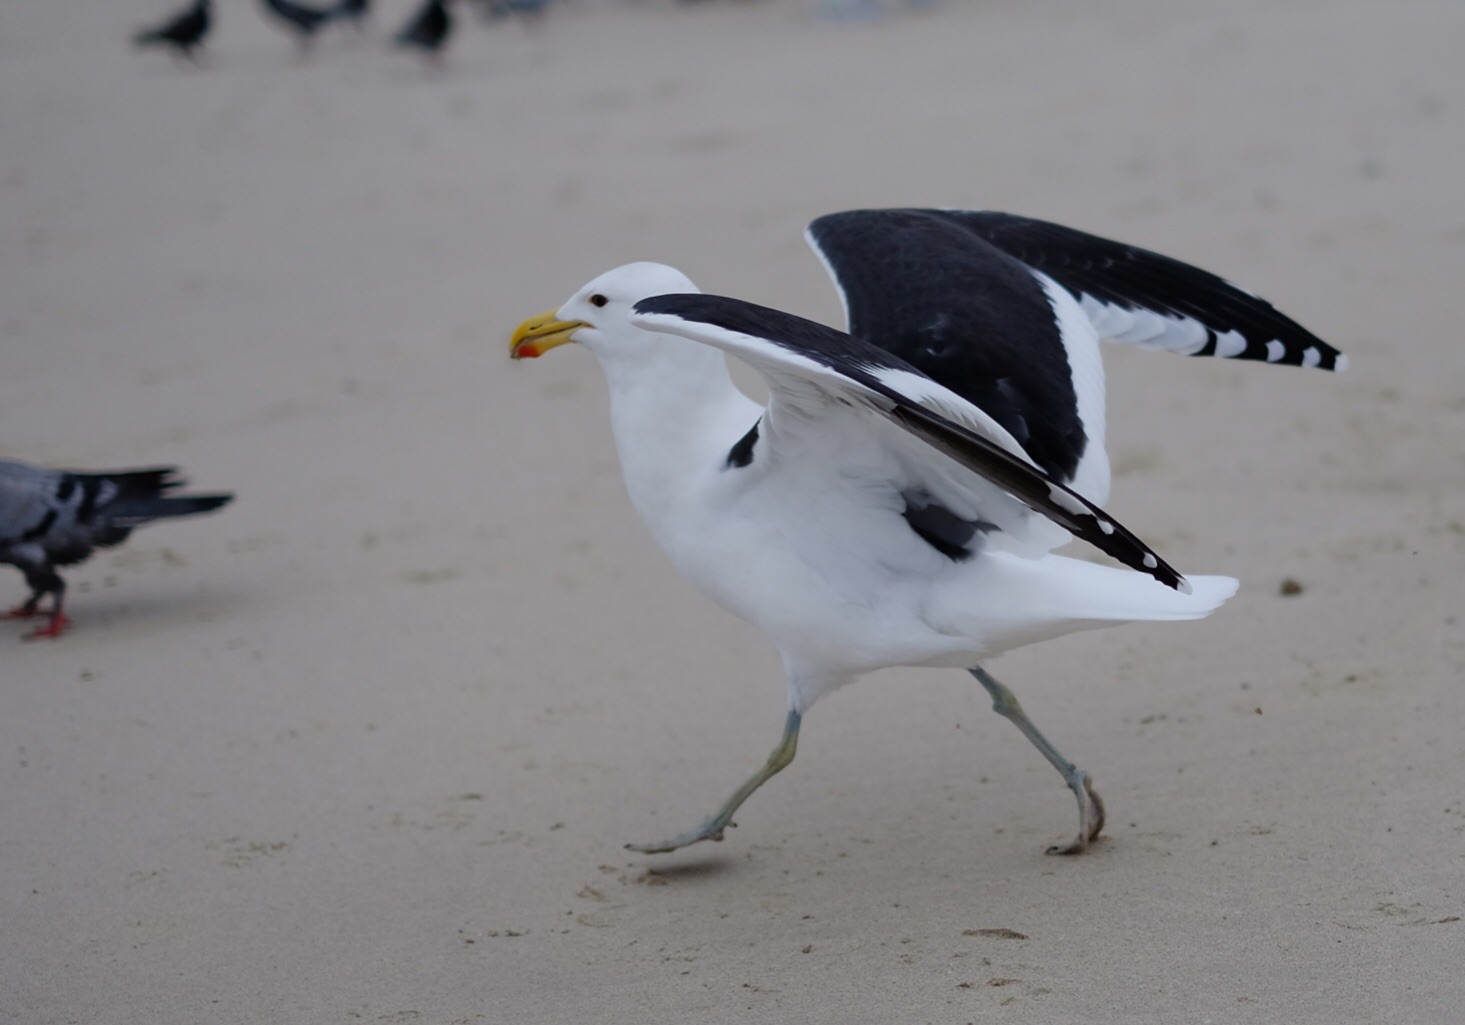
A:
(598, 300)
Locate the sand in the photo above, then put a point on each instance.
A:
(366, 745)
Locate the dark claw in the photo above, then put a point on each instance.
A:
(1094, 815)
(1088, 785)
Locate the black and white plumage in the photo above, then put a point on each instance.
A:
(183, 32)
(898, 500)
(428, 29)
(994, 282)
(51, 518)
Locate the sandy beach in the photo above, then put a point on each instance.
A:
(366, 746)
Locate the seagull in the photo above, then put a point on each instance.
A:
(51, 518)
(183, 31)
(304, 21)
(427, 30)
(898, 499)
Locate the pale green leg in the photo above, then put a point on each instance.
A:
(1090, 805)
(713, 827)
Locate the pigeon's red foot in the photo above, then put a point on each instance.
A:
(52, 629)
(21, 612)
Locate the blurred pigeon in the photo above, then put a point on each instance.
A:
(354, 11)
(528, 9)
(304, 21)
(427, 30)
(183, 31)
(51, 518)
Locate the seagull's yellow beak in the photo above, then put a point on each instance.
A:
(538, 335)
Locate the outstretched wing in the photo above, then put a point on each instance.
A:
(1138, 296)
(922, 286)
(797, 357)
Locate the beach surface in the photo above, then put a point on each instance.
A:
(366, 745)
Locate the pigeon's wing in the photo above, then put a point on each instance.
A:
(68, 511)
(822, 380)
(29, 503)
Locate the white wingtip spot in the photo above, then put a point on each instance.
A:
(1150, 561)
(1063, 500)
(1230, 344)
(1106, 526)
(1340, 364)
(1275, 350)
(1183, 586)
(1311, 357)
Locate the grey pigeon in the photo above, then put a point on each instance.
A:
(51, 518)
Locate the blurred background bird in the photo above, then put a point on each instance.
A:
(427, 30)
(354, 11)
(183, 32)
(529, 11)
(51, 518)
(303, 21)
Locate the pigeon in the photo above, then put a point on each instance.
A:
(304, 21)
(427, 30)
(51, 518)
(530, 10)
(184, 31)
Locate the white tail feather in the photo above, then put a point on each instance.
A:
(1008, 602)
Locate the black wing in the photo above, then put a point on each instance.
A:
(1207, 315)
(924, 286)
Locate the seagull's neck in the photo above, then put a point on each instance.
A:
(674, 412)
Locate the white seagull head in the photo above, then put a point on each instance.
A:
(598, 316)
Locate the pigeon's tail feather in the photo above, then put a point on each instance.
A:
(130, 513)
(124, 516)
(150, 482)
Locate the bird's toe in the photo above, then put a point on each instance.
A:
(52, 629)
(708, 831)
(1096, 814)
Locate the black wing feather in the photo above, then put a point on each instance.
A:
(925, 287)
(1132, 278)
